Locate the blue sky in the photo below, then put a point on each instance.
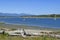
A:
(30, 6)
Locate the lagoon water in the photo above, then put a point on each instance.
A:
(41, 22)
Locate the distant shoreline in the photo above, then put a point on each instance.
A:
(38, 17)
(24, 17)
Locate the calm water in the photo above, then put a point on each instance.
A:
(41, 22)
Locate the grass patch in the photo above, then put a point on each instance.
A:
(6, 37)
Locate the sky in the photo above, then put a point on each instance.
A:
(36, 7)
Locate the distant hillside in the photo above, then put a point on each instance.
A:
(13, 14)
(51, 15)
(7, 14)
(24, 15)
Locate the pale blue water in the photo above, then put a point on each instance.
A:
(41, 22)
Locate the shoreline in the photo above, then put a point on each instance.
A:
(9, 25)
(26, 17)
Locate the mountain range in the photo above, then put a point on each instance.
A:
(28, 15)
(13, 14)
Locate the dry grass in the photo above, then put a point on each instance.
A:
(6, 37)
